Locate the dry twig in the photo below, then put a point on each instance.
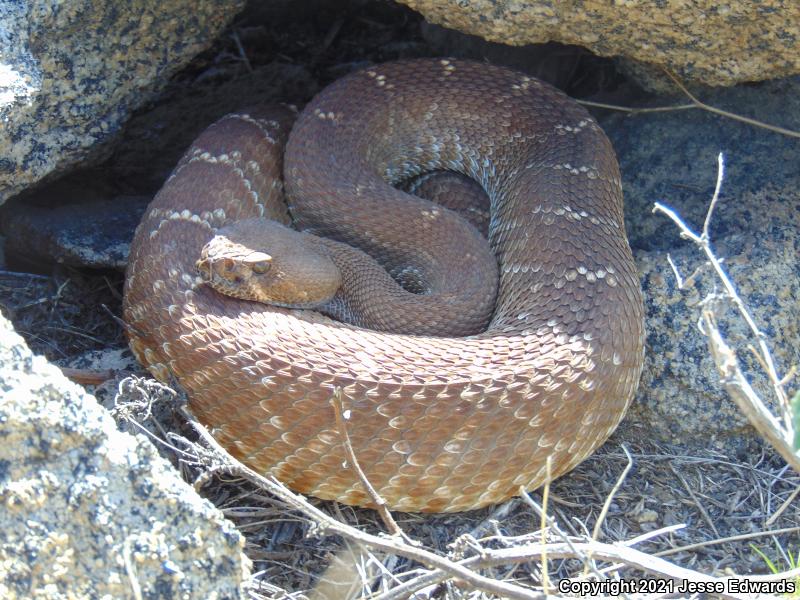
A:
(695, 103)
(730, 115)
(380, 503)
(780, 436)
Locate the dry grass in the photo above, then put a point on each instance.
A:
(61, 316)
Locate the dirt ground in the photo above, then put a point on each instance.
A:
(281, 54)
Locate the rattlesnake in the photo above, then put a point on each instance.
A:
(437, 423)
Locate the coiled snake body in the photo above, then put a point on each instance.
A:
(437, 423)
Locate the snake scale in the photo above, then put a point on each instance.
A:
(438, 424)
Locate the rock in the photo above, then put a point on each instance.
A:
(116, 360)
(87, 218)
(89, 511)
(680, 398)
(94, 233)
(73, 72)
(672, 157)
(700, 40)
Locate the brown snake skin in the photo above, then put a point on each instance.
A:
(437, 423)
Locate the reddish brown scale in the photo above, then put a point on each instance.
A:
(438, 424)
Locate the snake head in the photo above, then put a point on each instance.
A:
(264, 261)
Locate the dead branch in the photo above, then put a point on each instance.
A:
(779, 435)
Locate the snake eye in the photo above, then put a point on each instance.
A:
(261, 267)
